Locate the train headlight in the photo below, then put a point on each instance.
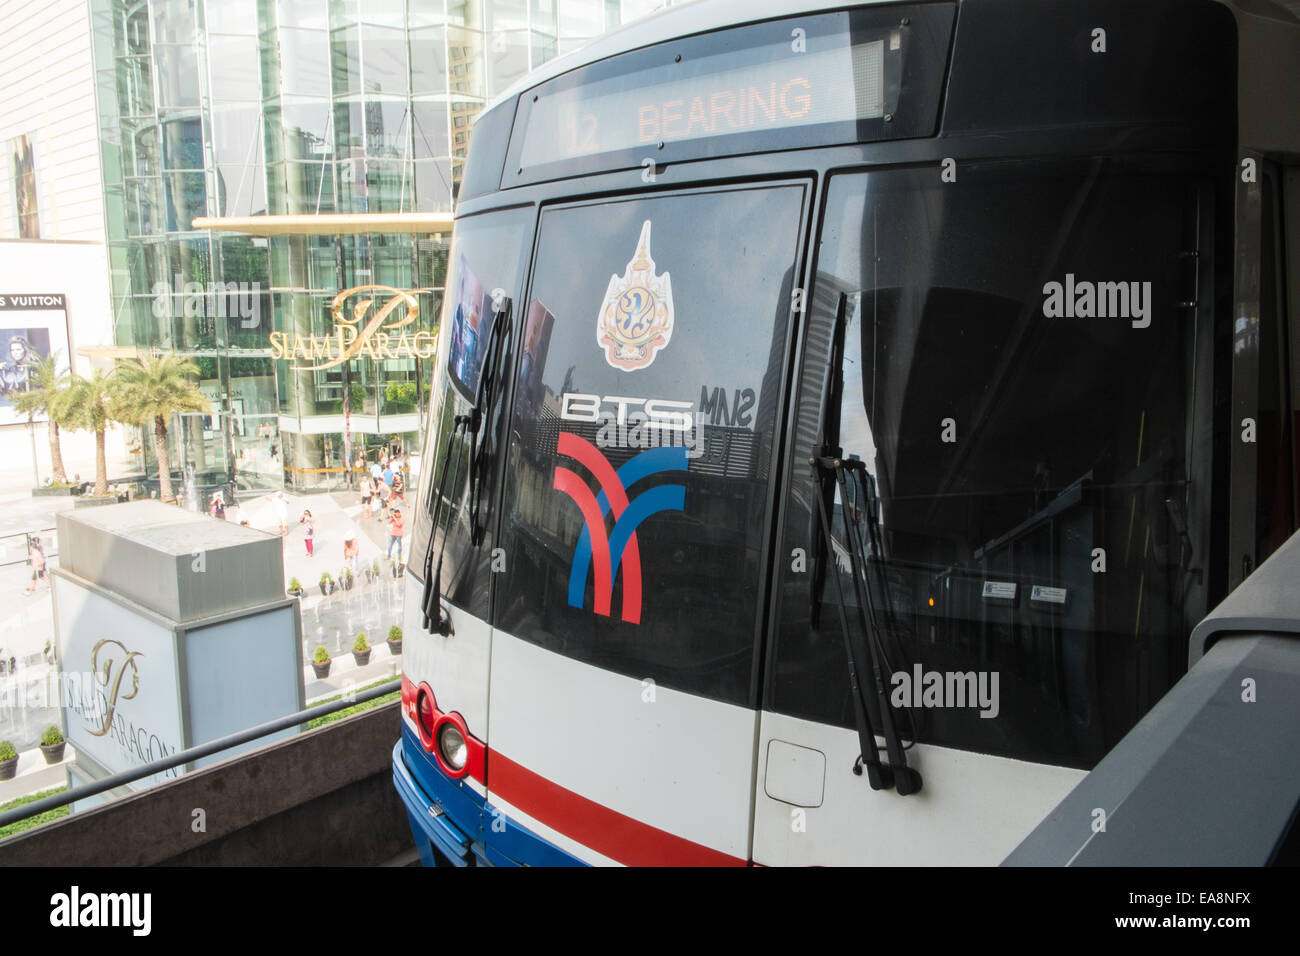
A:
(452, 747)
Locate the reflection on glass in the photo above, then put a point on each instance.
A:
(429, 60)
(187, 198)
(433, 185)
(387, 132)
(384, 58)
(304, 62)
(183, 143)
(429, 125)
(177, 76)
(233, 62)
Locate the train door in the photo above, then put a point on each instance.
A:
(1009, 386)
(639, 487)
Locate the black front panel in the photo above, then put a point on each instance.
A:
(1020, 378)
(647, 402)
(1031, 64)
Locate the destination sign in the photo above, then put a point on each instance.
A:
(804, 82)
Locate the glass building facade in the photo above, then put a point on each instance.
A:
(228, 108)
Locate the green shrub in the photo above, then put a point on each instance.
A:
(321, 655)
(360, 644)
(400, 393)
(7, 751)
(394, 633)
(51, 736)
(295, 584)
(325, 579)
(35, 821)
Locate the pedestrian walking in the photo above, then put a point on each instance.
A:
(365, 494)
(399, 486)
(395, 530)
(280, 505)
(36, 559)
(309, 532)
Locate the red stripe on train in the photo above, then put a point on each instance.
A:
(606, 831)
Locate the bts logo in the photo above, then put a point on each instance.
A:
(616, 550)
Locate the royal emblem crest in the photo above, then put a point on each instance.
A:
(636, 318)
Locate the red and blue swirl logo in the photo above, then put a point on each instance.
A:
(614, 551)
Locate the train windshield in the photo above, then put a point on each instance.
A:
(647, 404)
(1019, 365)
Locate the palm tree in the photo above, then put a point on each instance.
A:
(44, 383)
(149, 390)
(84, 405)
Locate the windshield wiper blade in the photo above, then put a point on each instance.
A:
(832, 398)
(490, 380)
(879, 776)
(469, 424)
(907, 780)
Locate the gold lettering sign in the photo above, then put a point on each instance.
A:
(369, 327)
(110, 679)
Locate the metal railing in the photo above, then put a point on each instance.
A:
(16, 544)
(194, 753)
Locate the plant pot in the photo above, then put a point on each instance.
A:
(394, 648)
(53, 752)
(322, 670)
(8, 768)
(323, 592)
(362, 657)
(56, 491)
(347, 584)
(296, 592)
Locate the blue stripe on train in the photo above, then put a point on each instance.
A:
(467, 824)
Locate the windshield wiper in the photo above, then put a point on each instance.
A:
(489, 387)
(829, 470)
(468, 424)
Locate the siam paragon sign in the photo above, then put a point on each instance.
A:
(379, 324)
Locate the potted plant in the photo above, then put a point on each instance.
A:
(395, 640)
(320, 662)
(52, 744)
(295, 587)
(326, 583)
(374, 569)
(361, 650)
(8, 760)
(345, 579)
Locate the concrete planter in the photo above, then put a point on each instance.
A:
(90, 501)
(361, 657)
(394, 648)
(322, 670)
(8, 768)
(56, 491)
(53, 752)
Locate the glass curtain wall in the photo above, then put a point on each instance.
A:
(251, 107)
